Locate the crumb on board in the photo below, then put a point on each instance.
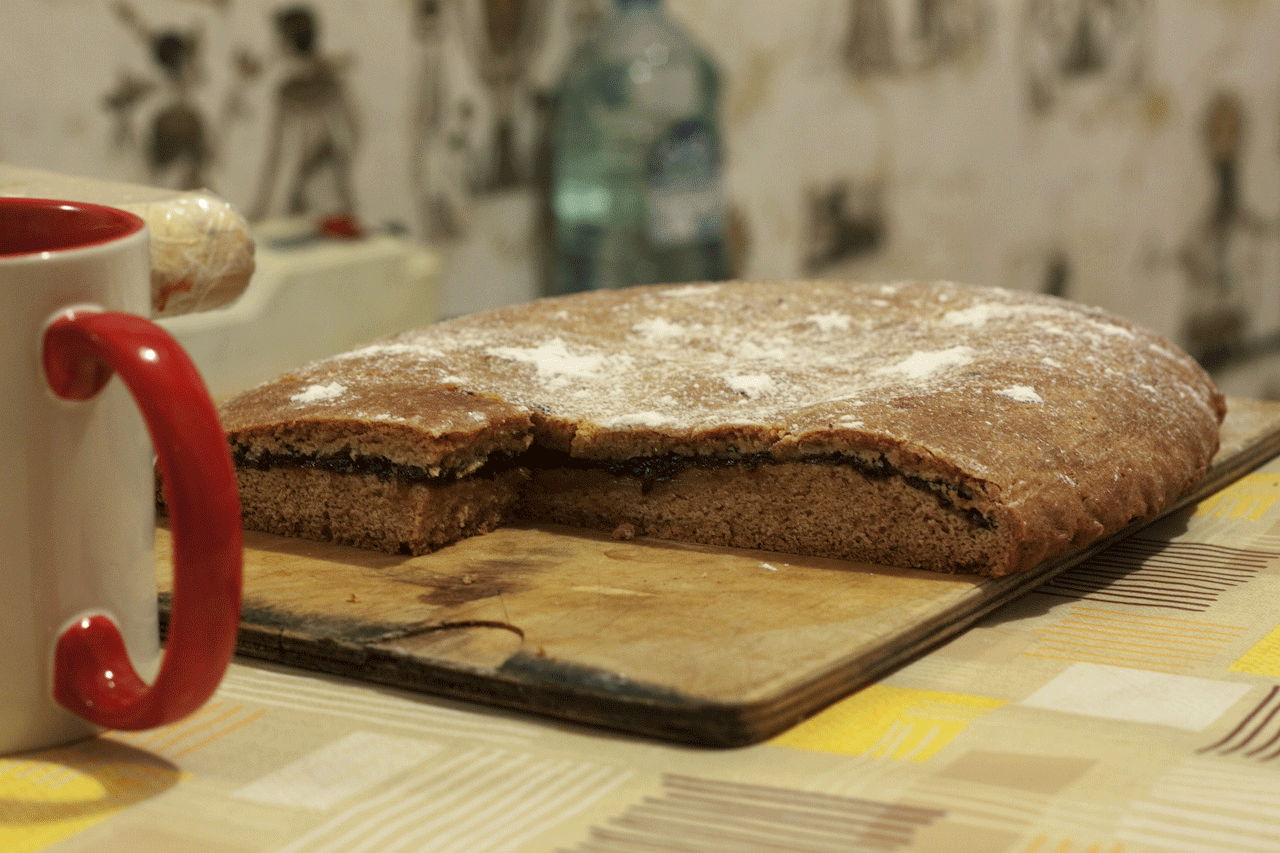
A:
(624, 532)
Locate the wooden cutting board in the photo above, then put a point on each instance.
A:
(690, 643)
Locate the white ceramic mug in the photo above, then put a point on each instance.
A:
(78, 620)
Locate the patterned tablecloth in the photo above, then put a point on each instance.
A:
(1131, 704)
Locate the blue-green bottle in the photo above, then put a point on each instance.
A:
(636, 188)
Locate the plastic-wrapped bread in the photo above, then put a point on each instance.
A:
(201, 248)
(922, 424)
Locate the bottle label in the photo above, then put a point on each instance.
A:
(682, 185)
(665, 89)
(677, 217)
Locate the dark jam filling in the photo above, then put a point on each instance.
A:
(383, 469)
(652, 470)
(649, 470)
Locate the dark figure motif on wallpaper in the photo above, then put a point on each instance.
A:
(843, 221)
(1057, 275)
(868, 46)
(934, 33)
(477, 114)
(1069, 43)
(1221, 257)
(313, 138)
(504, 36)
(444, 146)
(481, 119)
(177, 149)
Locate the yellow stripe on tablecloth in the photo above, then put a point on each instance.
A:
(897, 723)
(1263, 658)
(1246, 499)
(56, 794)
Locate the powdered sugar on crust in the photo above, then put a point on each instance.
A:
(832, 321)
(743, 367)
(659, 329)
(697, 290)
(753, 386)
(921, 365)
(319, 393)
(408, 348)
(1024, 394)
(983, 312)
(558, 365)
(639, 419)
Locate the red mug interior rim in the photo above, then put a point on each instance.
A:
(36, 225)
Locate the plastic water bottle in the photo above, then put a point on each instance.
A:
(636, 187)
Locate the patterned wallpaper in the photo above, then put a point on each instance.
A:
(1120, 152)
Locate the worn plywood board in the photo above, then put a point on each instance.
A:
(699, 644)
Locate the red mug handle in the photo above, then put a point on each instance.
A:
(92, 675)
